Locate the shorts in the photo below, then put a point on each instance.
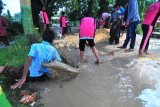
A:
(82, 43)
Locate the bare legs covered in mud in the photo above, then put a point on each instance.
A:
(95, 53)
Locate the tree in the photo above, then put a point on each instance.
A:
(26, 15)
(1, 5)
(121, 2)
(9, 14)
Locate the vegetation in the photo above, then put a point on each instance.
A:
(16, 54)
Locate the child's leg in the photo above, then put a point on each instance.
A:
(92, 45)
(147, 30)
(96, 54)
(12, 72)
(1, 69)
(82, 48)
(82, 55)
(117, 39)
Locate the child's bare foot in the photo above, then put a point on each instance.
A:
(84, 60)
(98, 62)
(121, 47)
(147, 53)
(141, 55)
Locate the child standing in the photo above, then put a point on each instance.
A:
(114, 31)
(62, 21)
(151, 17)
(87, 33)
(44, 18)
(3, 33)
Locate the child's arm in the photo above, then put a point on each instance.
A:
(24, 75)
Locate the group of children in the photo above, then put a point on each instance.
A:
(44, 52)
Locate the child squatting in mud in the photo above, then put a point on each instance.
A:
(87, 33)
(39, 53)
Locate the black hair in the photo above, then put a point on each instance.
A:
(88, 14)
(115, 6)
(48, 36)
(63, 13)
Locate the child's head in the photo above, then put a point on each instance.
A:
(48, 36)
(116, 7)
(63, 13)
(88, 14)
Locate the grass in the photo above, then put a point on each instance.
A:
(16, 54)
(139, 29)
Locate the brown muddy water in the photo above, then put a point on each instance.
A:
(117, 82)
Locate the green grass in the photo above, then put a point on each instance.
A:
(16, 54)
(139, 29)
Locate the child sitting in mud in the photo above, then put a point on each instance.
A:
(39, 53)
(87, 34)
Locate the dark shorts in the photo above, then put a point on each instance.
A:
(83, 42)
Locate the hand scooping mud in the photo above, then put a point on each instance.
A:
(18, 84)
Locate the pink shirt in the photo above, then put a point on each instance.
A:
(3, 25)
(44, 17)
(151, 15)
(87, 27)
(63, 21)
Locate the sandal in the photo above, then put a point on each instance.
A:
(121, 47)
(98, 62)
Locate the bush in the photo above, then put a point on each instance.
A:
(14, 27)
(16, 54)
(139, 30)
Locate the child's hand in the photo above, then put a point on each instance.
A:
(19, 83)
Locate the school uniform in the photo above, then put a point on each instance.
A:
(3, 33)
(151, 17)
(114, 31)
(87, 32)
(63, 24)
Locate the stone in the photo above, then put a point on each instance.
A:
(67, 45)
(61, 45)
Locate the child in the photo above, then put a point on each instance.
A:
(3, 33)
(87, 33)
(151, 17)
(114, 31)
(62, 21)
(39, 53)
(45, 19)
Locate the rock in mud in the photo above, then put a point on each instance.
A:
(64, 71)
